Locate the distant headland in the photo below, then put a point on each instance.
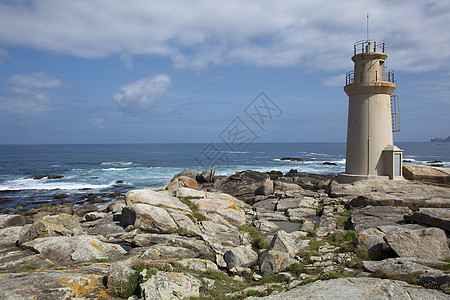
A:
(441, 140)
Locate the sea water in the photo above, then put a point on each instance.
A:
(103, 169)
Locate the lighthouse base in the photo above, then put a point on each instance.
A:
(350, 178)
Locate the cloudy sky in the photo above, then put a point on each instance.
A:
(147, 71)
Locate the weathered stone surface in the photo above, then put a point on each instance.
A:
(376, 199)
(180, 182)
(266, 226)
(224, 205)
(287, 243)
(242, 185)
(327, 224)
(148, 218)
(119, 273)
(198, 265)
(358, 289)
(51, 225)
(170, 285)
(183, 221)
(337, 190)
(274, 261)
(242, 256)
(428, 243)
(300, 214)
(373, 216)
(426, 173)
(66, 250)
(11, 220)
(92, 216)
(187, 173)
(187, 192)
(436, 217)
(372, 241)
(155, 198)
(266, 188)
(308, 226)
(286, 186)
(114, 207)
(435, 280)
(402, 265)
(199, 247)
(52, 285)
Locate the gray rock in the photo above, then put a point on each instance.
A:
(198, 265)
(435, 280)
(327, 225)
(288, 243)
(92, 216)
(426, 173)
(372, 241)
(358, 289)
(436, 217)
(428, 243)
(119, 273)
(114, 207)
(300, 214)
(286, 186)
(242, 256)
(51, 225)
(266, 226)
(155, 198)
(187, 173)
(181, 182)
(376, 199)
(401, 265)
(148, 218)
(373, 216)
(266, 188)
(11, 220)
(187, 192)
(169, 285)
(287, 203)
(274, 261)
(66, 250)
(308, 226)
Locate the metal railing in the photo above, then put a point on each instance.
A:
(395, 113)
(369, 76)
(368, 46)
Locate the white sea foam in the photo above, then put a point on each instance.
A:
(115, 169)
(32, 184)
(117, 163)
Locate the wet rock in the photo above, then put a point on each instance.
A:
(49, 209)
(52, 225)
(11, 220)
(80, 211)
(436, 217)
(242, 256)
(60, 196)
(205, 176)
(170, 285)
(37, 177)
(273, 175)
(430, 243)
(358, 289)
(293, 159)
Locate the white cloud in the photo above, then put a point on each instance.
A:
(3, 55)
(127, 60)
(141, 95)
(316, 35)
(29, 94)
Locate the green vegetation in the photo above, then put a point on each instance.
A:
(411, 278)
(130, 228)
(194, 208)
(258, 241)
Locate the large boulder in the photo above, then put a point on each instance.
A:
(289, 243)
(361, 288)
(64, 250)
(430, 243)
(274, 261)
(243, 185)
(372, 241)
(242, 256)
(402, 265)
(198, 265)
(155, 198)
(436, 217)
(148, 218)
(118, 274)
(426, 174)
(373, 216)
(180, 182)
(51, 225)
(170, 285)
(11, 220)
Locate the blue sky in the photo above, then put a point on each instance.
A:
(108, 71)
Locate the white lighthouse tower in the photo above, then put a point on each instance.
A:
(371, 153)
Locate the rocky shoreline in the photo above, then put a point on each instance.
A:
(216, 237)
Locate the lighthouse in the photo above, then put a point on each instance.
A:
(370, 153)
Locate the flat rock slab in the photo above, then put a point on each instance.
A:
(359, 289)
(436, 217)
(402, 265)
(55, 284)
(170, 285)
(427, 174)
(430, 243)
(374, 216)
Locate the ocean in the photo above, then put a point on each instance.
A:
(106, 170)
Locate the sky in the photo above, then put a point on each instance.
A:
(147, 71)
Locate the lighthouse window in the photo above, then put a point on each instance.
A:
(381, 63)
